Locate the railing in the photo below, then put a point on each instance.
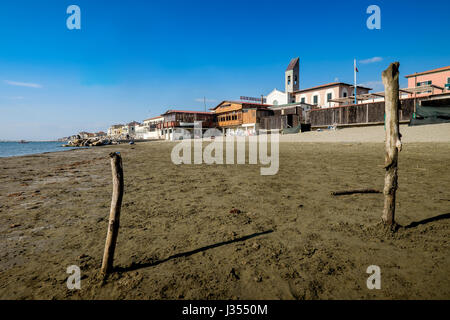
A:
(230, 123)
(172, 124)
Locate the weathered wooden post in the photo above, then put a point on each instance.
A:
(114, 215)
(392, 142)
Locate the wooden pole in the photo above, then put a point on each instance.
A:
(114, 215)
(392, 142)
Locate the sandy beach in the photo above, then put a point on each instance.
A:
(428, 133)
(180, 239)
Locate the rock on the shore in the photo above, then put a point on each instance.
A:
(90, 142)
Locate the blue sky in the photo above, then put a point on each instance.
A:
(135, 59)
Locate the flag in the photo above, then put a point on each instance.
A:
(354, 73)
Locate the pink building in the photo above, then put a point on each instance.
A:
(437, 78)
(320, 96)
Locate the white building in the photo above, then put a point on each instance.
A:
(141, 130)
(129, 130)
(276, 97)
(153, 130)
(115, 130)
(322, 96)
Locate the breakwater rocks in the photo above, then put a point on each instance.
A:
(91, 142)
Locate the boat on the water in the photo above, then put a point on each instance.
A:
(23, 141)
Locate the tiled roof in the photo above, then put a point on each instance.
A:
(429, 71)
(184, 111)
(331, 84)
(133, 123)
(157, 117)
(292, 64)
(243, 103)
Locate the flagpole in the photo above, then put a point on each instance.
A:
(354, 71)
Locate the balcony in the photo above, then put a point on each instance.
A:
(230, 123)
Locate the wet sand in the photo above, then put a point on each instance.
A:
(179, 238)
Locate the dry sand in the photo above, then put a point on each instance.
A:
(178, 239)
(427, 133)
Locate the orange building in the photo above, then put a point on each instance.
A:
(433, 81)
(239, 117)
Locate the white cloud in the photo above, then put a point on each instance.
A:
(375, 85)
(371, 60)
(23, 84)
(206, 100)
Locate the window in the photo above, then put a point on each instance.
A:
(289, 79)
(315, 99)
(295, 79)
(275, 102)
(303, 100)
(329, 96)
(344, 94)
(424, 83)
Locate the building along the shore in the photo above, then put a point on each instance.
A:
(100, 134)
(151, 130)
(331, 104)
(239, 117)
(86, 135)
(431, 85)
(129, 130)
(115, 131)
(291, 84)
(429, 82)
(186, 120)
(292, 117)
(322, 96)
(140, 131)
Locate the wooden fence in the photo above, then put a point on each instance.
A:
(283, 118)
(368, 113)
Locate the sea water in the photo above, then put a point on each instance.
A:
(11, 149)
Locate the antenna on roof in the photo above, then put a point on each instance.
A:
(204, 102)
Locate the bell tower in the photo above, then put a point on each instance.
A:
(292, 76)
